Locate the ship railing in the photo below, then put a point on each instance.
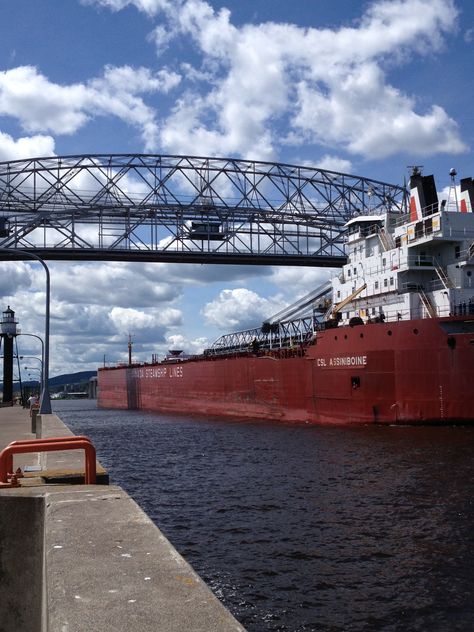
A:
(420, 261)
(390, 316)
(392, 264)
(426, 211)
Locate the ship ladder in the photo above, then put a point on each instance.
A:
(431, 310)
(443, 276)
(470, 251)
(386, 239)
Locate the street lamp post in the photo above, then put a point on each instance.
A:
(31, 377)
(26, 357)
(45, 403)
(33, 368)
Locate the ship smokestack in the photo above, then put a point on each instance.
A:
(423, 196)
(467, 195)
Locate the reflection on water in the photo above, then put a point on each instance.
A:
(305, 528)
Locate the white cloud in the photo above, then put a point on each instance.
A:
(43, 106)
(240, 309)
(150, 7)
(129, 319)
(13, 275)
(330, 87)
(296, 282)
(334, 163)
(31, 146)
(189, 345)
(120, 284)
(327, 87)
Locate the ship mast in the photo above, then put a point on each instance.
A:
(130, 345)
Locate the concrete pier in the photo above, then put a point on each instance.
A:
(77, 558)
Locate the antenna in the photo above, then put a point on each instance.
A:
(415, 169)
(452, 187)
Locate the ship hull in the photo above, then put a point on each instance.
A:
(408, 372)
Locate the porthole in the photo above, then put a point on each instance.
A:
(345, 336)
(335, 337)
(415, 331)
(361, 335)
(389, 333)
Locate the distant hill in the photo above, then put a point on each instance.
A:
(61, 380)
(71, 378)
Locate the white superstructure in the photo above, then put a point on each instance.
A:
(416, 265)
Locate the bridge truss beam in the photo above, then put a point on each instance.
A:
(183, 208)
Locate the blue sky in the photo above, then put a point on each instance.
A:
(361, 87)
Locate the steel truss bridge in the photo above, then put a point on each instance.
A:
(133, 207)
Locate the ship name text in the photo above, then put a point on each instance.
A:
(342, 361)
(158, 372)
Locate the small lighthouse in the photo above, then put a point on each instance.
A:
(8, 331)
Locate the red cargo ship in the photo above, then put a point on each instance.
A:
(389, 340)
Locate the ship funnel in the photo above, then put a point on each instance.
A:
(467, 195)
(423, 196)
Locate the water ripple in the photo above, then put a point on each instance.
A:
(302, 529)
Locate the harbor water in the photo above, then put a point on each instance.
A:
(305, 528)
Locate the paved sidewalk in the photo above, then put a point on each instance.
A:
(15, 425)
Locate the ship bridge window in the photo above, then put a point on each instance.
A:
(457, 251)
(398, 242)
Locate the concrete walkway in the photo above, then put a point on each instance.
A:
(77, 558)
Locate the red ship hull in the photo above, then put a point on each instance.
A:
(409, 372)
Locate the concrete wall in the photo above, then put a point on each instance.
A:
(79, 558)
(21, 562)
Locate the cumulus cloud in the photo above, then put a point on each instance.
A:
(42, 106)
(240, 309)
(150, 7)
(120, 283)
(189, 345)
(294, 283)
(13, 275)
(327, 87)
(39, 145)
(128, 319)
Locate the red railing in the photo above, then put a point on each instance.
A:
(50, 444)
